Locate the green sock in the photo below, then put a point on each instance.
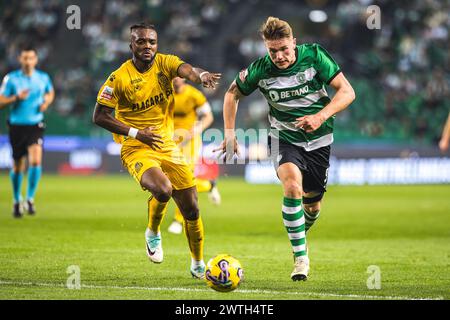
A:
(294, 221)
(310, 219)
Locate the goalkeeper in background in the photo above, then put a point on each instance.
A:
(192, 115)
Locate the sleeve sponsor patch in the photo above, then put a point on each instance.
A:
(243, 74)
(107, 93)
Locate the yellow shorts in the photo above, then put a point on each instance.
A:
(137, 157)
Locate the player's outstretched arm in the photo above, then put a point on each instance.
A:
(103, 117)
(229, 146)
(342, 99)
(200, 76)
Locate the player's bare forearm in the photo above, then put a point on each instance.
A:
(446, 131)
(198, 75)
(206, 121)
(229, 145)
(230, 106)
(22, 95)
(5, 101)
(445, 138)
(190, 73)
(103, 117)
(344, 96)
(48, 99)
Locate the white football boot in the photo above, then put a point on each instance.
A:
(175, 227)
(153, 247)
(214, 196)
(198, 269)
(301, 268)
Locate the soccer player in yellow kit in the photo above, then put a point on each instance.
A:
(192, 115)
(140, 93)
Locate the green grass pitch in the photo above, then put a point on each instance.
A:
(98, 223)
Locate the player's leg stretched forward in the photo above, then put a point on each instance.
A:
(187, 202)
(294, 218)
(157, 183)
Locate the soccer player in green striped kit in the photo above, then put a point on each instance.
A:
(292, 78)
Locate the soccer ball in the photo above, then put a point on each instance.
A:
(223, 273)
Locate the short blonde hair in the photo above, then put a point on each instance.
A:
(274, 29)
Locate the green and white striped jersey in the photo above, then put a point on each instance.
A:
(294, 92)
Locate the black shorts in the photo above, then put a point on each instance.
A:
(313, 164)
(23, 136)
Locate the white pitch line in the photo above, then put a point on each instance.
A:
(244, 291)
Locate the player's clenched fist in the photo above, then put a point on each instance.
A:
(149, 138)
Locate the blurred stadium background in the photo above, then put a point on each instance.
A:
(400, 74)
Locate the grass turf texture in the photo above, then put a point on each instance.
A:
(98, 224)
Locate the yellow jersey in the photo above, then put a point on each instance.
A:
(145, 99)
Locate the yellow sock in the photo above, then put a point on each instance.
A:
(194, 235)
(203, 185)
(178, 215)
(156, 212)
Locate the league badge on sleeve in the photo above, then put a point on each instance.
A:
(243, 74)
(107, 93)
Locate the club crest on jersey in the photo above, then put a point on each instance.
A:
(243, 75)
(301, 77)
(305, 76)
(107, 93)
